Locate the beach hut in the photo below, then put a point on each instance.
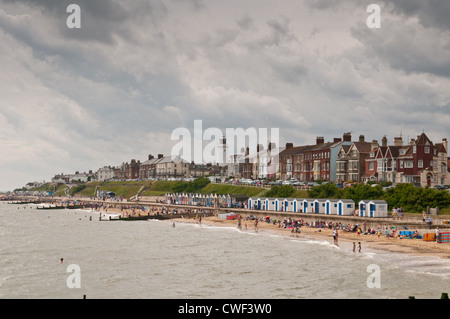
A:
(250, 203)
(377, 208)
(331, 206)
(308, 205)
(228, 201)
(345, 207)
(363, 207)
(289, 205)
(270, 204)
(319, 206)
(277, 207)
(293, 205)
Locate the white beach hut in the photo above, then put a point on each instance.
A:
(377, 208)
(308, 205)
(331, 206)
(270, 204)
(319, 206)
(289, 205)
(345, 207)
(363, 206)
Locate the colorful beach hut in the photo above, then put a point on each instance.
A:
(345, 207)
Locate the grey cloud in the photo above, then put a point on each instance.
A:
(407, 47)
(431, 13)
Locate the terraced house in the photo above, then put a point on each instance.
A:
(312, 162)
(420, 162)
(351, 161)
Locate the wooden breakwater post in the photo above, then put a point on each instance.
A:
(444, 295)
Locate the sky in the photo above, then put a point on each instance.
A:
(77, 99)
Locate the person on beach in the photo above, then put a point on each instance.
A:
(256, 225)
(335, 236)
(354, 247)
(359, 247)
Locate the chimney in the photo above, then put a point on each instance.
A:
(361, 139)
(320, 140)
(445, 142)
(347, 137)
(398, 141)
(160, 156)
(289, 145)
(150, 156)
(374, 145)
(337, 140)
(271, 146)
(384, 141)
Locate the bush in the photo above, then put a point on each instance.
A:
(280, 191)
(191, 187)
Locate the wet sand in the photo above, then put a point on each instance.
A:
(345, 239)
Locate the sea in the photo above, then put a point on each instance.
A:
(169, 259)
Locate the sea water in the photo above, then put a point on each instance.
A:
(154, 259)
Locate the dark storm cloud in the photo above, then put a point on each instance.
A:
(431, 13)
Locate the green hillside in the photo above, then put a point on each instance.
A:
(159, 188)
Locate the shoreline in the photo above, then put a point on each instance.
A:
(372, 242)
(369, 243)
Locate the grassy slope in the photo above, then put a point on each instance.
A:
(159, 188)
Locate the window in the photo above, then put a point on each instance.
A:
(420, 163)
(371, 166)
(427, 149)
(414, 149)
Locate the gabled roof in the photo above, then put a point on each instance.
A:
(344, 148)
(381, 152)
(423, 139)
(362, 147)
(440, 147)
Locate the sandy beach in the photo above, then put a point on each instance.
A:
(345, 239)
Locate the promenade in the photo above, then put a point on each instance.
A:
(157, 205)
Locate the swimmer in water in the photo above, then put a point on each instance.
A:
(61, 260)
